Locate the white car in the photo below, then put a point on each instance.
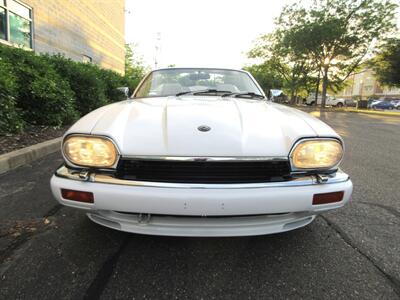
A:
(396, 103)
(332, 101)
(201, 152)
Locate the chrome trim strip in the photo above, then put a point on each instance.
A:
(207, 158)
(64, 172)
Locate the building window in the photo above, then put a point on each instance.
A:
(16, 23)
(3, 27)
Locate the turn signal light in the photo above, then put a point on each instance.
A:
(327, 198)
(79, 196)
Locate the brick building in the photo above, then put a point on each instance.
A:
(364, 85)
(88, 31)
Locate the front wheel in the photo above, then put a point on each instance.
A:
(339, 105)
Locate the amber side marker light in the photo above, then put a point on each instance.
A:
(326, 198)
(79, 196)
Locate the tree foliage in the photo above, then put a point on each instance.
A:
(291, 66)
(386, 64)
(135, 69)
(266, 75)
(327, 39)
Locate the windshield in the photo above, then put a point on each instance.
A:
(169, 82)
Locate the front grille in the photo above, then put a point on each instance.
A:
(203, 171)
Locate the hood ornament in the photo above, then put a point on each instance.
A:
(204, 128)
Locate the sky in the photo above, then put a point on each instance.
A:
(201, 33)
(198, 33)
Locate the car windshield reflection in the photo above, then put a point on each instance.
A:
(171, 82)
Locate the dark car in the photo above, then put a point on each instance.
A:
(383, 105)
(350, 103)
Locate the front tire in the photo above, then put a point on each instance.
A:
(340, 104)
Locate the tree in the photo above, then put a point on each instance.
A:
(291, 66)
(266, 75)
(327, 40)
(386, 64)
(337, 35)
(134, 67)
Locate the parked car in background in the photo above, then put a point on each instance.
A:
(382, 105)
(372, 102)
(201, 152)
(350, 103)
(330, 100)
(396, 103)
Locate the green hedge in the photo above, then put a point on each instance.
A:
(10, 116)
(50, 90)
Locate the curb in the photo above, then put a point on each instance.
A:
(17, 158)
(373, 112)
(351, 110)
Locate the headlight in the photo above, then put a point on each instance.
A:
(90, 151)
(317, 154)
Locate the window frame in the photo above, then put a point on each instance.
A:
(7, 10)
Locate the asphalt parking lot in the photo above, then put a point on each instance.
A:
(53, 252)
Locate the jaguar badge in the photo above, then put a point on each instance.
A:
(204, 128)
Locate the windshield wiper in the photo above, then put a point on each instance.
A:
(244, 95)
(184, 93)
(203, 92)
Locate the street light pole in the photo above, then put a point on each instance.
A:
(157, 49)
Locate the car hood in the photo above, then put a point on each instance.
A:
(168, 126)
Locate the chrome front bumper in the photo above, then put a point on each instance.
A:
(85, 176)
(201, 209)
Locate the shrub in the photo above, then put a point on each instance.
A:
(10, 116)
(51, 90)
(85, 81)
(44, 97)
(112, 81)
(52, 101)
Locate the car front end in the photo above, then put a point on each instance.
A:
(201, 196)
(208, 163)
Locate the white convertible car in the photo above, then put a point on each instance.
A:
(201, 152)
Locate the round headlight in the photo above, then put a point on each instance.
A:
(317, 154)
(90, 151)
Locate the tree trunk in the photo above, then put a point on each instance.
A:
(292, 92)
(291, 96)
(317, 87)
(324, 86)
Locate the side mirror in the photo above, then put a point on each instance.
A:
(124, 90)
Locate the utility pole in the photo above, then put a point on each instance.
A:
(157, 50)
